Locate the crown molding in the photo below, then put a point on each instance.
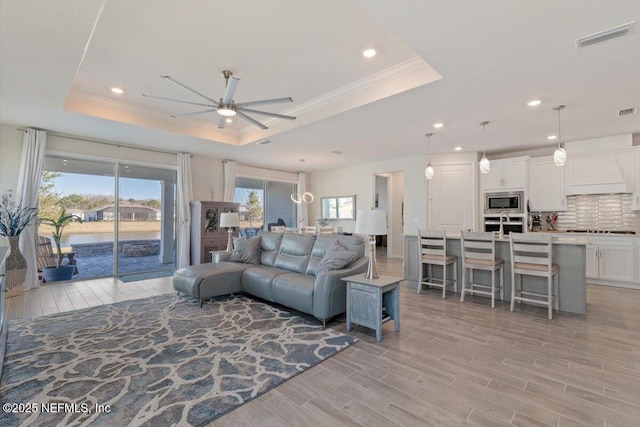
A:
(398, 78)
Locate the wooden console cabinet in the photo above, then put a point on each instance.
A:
(206, 233)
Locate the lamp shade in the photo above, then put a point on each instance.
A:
(229, 219)
(373, 223)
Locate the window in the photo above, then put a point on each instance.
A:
(263, 203)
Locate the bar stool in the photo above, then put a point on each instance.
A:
(479, 253)
(433, 251)
(531, 254)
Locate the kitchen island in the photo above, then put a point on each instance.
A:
(568, 252)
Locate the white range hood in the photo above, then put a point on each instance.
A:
(600, 174)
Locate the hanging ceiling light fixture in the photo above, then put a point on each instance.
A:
(428, 172)
(560, 155)
(305, 197)
(485, 166)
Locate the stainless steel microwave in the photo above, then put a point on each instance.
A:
(510, 202)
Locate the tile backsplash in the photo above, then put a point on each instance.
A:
(599, 212)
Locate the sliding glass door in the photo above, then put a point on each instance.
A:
(146, 219)
(124, 216)
(85, 189)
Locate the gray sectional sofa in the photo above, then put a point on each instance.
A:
(285, 271)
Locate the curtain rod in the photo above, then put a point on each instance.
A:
(97, 141)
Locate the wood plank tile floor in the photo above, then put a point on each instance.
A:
(451, 363)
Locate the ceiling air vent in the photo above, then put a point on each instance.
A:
(619, 31)
(627, 111)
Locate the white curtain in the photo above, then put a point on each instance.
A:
(34, 145)
(229, 174)
(303, 213)
(185, 195)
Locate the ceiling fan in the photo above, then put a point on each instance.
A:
(226, 106)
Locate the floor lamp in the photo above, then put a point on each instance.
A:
(229, 220)
(373, 223)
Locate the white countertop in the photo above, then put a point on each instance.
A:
(561, 239)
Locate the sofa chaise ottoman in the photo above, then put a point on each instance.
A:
(299, 271)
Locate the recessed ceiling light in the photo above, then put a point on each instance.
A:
(229, 120)
(438, 125)
(534, 103)
(263, 142)
(458, 148)
(552, 137)
(369, 53)
(117, 90)
(337, 152)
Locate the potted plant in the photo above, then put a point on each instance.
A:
(14, 218)
(59, 272)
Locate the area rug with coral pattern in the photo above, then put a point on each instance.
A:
(156, 361)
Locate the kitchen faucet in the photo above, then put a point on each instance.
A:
(503, 214)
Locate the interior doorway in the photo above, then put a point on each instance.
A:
(389, 196)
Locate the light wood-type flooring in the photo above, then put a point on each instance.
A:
(451, 363)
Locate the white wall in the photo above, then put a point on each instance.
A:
(397, 197)
(10, 153)
(206, 177)
(359, 180)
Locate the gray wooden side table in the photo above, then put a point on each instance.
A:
(365, 299)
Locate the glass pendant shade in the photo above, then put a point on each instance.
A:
(559, 156)
(428, 172)
(485, 166)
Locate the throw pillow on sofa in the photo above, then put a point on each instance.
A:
(336, 257)
(246, 250)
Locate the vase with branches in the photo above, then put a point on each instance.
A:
(14, 218)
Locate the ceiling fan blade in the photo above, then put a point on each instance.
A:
(194, 113)
(232, 85)
(171, 79)
(222, 122)
(250, 120)
(266, 113)
(264, 102)
(179, 100)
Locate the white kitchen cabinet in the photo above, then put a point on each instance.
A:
(506, 174)
(452, 198)
(546, 185)
(610, 260)
(592, 261)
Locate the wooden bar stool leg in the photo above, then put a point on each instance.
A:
(550, 296)
(462, 288)
(455, 276)
(502, 283)
(493, 289)
(471, 281)
(444, 279)
(557, 284)
(513, 290)
(420, 276)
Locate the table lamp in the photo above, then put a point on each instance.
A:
(373, 223)
(229, 220)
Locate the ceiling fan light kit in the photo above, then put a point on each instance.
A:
(226, 106)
